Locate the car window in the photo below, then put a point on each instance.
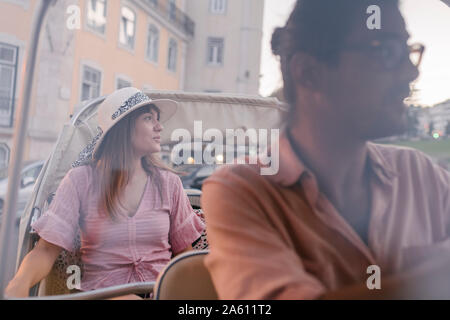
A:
(38, 171)
(32, 172)
(205, 171)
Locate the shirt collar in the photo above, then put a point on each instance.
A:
(383, 168)
(291, 167)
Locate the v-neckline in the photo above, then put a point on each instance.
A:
(140, 201)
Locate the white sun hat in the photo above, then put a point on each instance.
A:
(114, 108)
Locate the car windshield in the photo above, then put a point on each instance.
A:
(32, 172)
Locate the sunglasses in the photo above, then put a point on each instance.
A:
(391, 53)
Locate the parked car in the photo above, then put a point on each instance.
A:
(28, 177)
(196, 174)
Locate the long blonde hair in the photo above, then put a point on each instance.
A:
(113, 162)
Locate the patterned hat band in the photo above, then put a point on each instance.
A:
(131, 103)
(87, 155)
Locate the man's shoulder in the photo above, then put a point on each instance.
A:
(409, 162)
(242, 188)
(395, 155)
(246, 169)
(236, 172)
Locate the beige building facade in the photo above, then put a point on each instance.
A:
(88, 48)
(225, 54)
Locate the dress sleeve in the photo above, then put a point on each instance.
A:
(185, 225)
(248, 259)
(59, 225)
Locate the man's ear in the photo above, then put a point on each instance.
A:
(305, 70)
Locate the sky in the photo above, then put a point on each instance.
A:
(427, 21)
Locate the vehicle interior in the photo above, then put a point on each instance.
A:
(237, 112)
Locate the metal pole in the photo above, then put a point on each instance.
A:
(8, 250)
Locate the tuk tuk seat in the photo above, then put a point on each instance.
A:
(185, 278)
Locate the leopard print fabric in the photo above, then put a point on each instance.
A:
(202, 242)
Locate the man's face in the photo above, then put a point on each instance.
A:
(366, 90)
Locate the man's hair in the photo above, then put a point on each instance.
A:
(318, 28)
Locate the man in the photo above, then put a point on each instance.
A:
(340, 207)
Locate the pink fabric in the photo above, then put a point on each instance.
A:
(132, 249)
(279, 237)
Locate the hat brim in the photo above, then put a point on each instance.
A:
(167, 109)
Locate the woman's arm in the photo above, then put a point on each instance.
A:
(185, 226)
(36, 265)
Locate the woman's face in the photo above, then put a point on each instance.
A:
(146, 137)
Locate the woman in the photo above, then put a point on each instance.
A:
(130, 209)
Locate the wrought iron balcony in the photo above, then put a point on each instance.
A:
(173, 14)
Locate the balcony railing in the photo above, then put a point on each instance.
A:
(173, 14)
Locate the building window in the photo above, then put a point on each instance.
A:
(215, 51)
(172, 10)
(172, 56)
(90, 87)
(217, 6)
(4, 156)
(127, 27)
(122, 83)
(96, 15)
(8, 70)
(153, 43)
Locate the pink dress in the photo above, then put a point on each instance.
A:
(131, 249)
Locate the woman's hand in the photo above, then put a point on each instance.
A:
(35, 266)
(15, 289)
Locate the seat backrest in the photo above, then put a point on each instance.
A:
(185, 278)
